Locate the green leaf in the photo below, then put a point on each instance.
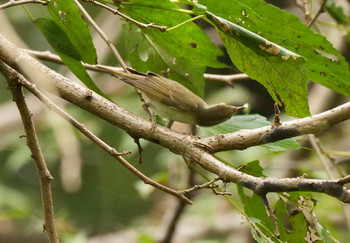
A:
(66, 15)
(295, 211)
(239, 122)
(254, 208)
(281, 71)
(322, 231)
(325, 65)
(258, 218)
(336, 12)
(291, 222)
(253, 168)
(60, 42)
(157, 59)
(183, 52)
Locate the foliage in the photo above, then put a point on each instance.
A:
(270, 45)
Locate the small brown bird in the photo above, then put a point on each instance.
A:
(174, 101)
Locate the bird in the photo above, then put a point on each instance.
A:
(174, 101)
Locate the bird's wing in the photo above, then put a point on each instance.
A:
(163, 90)
(166, 91)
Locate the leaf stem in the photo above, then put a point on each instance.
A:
(185, 22)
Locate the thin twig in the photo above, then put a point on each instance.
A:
(48, 56)
(324, 161)
(177, 212)
(323, 155)
(304, 6)
(321, 10)
(185, 22)
(205, 185)
(276, 119)
(102, 34)
(44, 174)
(12, 3)
(228, 79)
(139, 148)
(306, 11)
(116, 12)
(271, 214)
(32, 88)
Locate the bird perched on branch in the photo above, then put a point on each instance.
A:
(173, 100)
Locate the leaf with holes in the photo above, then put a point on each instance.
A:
(281, 71)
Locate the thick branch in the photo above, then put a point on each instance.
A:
(33, 144)
(198, 149)
(243, 139)
(110, 150)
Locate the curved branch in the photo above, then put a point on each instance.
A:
(243, 139)
(12, 3)
(198, 149)
(44, 174)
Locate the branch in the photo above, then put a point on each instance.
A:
(12, 3)
(101, 33)
(110, 150)
(321, 10)
(228, 79)
(33, 144)
(243, 139)
(192, 147)
(48, 56)
(116, 12)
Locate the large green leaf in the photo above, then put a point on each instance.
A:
(291, 222)
(184, 51)
(325, 65)
(60, 42)
(66, 15)
(255, 210)
(156, 58)
(281, 71)
(239, 122)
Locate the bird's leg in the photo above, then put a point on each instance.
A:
(147, 109)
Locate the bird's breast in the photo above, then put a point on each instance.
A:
(173, 113)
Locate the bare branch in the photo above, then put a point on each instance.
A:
(271, 214)
(309, 125)
(48, 56)
(205, 185)
(325, 158)
(12, 3)
(303, 4)
(321, 10)
(116, 12)
(139, 148)
(228, 79)
(34, 146)
(276, 119)
(325, 162)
